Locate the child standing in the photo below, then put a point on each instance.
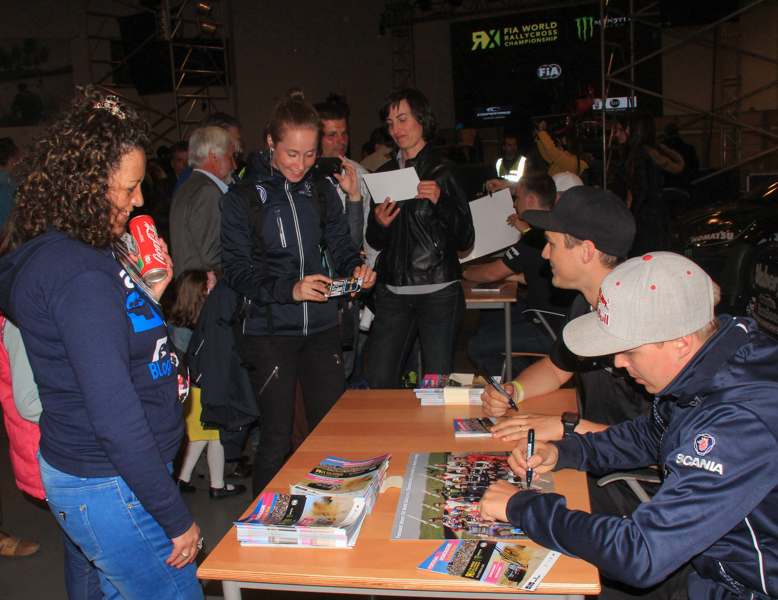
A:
(193, 288)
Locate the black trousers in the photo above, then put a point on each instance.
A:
(318, 362)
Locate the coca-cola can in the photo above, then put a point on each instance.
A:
(150, 259)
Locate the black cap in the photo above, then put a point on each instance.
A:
(589, 213)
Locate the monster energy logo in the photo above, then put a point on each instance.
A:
(585, 26)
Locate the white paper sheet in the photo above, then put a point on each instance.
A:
(492, 233)
(398, 185)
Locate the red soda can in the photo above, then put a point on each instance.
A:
(150, 259)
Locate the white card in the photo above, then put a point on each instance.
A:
(492, 233)
(398, 185)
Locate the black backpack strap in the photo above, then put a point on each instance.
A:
(321, 197)
(247, 190)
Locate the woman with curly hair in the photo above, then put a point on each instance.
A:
(111, 422)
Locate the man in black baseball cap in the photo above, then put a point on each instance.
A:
(589, 213)
(588, 233)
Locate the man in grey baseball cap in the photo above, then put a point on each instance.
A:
(712, 433)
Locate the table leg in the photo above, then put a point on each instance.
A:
(508, 344)
(231, 590)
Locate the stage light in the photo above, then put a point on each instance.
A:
(203, 8)
(207, 29)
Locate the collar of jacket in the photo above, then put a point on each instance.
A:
(259, 170)
(698, 372)
(425, 158)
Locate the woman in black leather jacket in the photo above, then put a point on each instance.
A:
(418, 292)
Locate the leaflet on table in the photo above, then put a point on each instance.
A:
(492, 232)
(283, 519)
(345, 478)
(454, 389)
(497, 563)
(401, 184)
(292, 512)
(474, 427)
(441, 491)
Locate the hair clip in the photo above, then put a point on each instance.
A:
(111, 104)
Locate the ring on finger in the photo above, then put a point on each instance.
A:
(200, 544)
(184, 555)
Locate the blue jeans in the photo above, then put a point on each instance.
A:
(434, 317)
(487, 346)
(114, 532)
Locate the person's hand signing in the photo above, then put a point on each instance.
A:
(495, 185)
(495, 404)
(429, 190)
(185, 547)
(546, 427)
(544, 460)
(311, 288)
(386, 212)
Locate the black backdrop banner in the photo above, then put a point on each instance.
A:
(510, 68)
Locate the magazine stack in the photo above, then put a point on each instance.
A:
(298, 520)
(456, 388)
(341, 478)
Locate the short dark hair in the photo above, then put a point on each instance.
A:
(330, 111)
(606, 260)
(420, 110)
(219, 119)
(379, 135)
(180, 146)
(542, 186)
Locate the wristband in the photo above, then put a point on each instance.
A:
(517, 385)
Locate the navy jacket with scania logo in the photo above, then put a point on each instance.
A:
(292, 232)
(715, 435)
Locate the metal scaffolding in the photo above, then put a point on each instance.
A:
(191, 44)
(728, 81)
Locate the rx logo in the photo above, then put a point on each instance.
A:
(585, 27)
(486, 39)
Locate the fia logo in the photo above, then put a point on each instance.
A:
(549, 71)
(486, 39)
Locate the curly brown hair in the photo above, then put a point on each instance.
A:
(65, 174)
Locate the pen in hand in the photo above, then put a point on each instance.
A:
(493, 382)
(530, 452)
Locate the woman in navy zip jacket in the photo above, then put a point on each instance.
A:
(93, 329)
(291, 326)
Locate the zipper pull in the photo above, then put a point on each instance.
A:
(273, 374)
